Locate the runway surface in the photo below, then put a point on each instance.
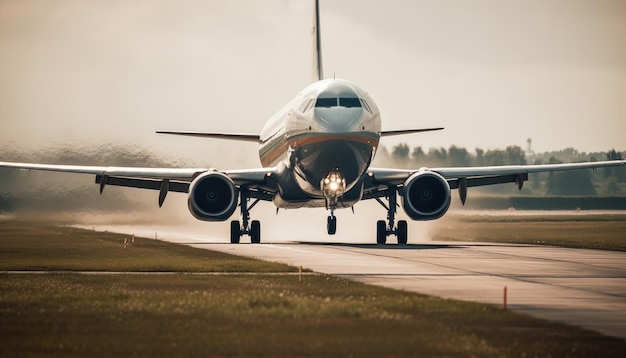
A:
(585, 288)
(581, 287)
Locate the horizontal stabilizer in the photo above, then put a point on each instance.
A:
(230, 136)
(408, 131)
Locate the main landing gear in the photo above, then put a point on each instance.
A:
(253, 229)
(384, 229)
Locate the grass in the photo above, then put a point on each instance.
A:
(186, 314)
(45, 247)
(605, 232)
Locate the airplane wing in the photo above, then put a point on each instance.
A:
(154, 173)
(463, 177)
(162, 179)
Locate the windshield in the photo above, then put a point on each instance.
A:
(348, 102)
(326, 102)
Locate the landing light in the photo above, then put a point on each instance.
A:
(334, 186)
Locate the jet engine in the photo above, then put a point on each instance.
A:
(212, 197)
(426, 196)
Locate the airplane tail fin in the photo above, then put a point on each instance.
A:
(318, 71)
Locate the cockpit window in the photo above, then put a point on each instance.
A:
(349, 102)
(307, 105)
(326, 102)
(343, 102)
(365, 105)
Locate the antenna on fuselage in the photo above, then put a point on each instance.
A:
(318, 71)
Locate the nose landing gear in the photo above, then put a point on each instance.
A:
(331, 224)
(333, 187)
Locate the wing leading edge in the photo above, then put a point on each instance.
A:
(464, 177)
(162, 179)
(186, 174)
(397, 176)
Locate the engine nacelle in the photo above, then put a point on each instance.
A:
(212, 197)
(426, 196)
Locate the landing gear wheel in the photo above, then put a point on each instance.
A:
(381, 232)
(331, 225)
(402, 232)
(235, 232)
(255, 232)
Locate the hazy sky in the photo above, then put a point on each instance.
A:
(493, 72)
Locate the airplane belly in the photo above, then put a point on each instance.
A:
(291, 195)
(312, 159)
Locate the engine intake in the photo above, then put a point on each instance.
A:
(212, 197)
(426, 196)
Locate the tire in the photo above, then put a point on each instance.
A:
(381, 232)
(255, 232)
(402, 233)
(235, 232)
(331, 225)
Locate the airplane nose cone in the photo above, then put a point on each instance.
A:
(338, 119)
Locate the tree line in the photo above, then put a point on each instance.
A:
(602, 182)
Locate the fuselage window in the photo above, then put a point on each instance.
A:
(326, 102)
(349, 102)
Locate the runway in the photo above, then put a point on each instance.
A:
(586, 288)
(580, 287)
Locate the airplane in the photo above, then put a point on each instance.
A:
(315, 152)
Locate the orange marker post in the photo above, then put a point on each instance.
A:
(504, 298)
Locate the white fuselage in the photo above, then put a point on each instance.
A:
(331, 128)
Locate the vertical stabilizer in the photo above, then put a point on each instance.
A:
(318, 71)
